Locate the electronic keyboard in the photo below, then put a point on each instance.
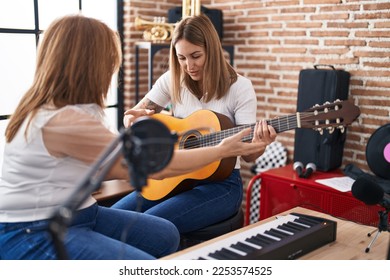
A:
(286, 237)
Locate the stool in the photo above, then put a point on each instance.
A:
(195, 237)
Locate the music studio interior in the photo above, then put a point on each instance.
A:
(326, 180)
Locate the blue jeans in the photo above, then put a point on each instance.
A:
(95, 233)
(204, 205)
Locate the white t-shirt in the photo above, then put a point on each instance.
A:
(33, 182)
(239, 104)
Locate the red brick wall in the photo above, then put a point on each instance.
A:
(275, 39)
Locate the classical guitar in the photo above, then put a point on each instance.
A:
(207, 128)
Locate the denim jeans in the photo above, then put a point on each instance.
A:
(95, 233)
(206, 204)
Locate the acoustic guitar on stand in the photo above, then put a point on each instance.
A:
(207, 128)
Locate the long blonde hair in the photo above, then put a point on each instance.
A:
(218, 74)
(75, 64)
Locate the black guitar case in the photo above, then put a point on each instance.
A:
(316, 86)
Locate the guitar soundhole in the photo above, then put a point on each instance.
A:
(190, 140)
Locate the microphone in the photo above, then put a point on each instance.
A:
(148, 147)
(310, 168)
(370, 193)
(298, 167)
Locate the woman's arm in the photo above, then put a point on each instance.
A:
(184, 161)
(80, 136)
(144, 108)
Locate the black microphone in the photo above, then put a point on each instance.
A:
(370, 192)
(298, 167)
(148, 147)
(310, 168)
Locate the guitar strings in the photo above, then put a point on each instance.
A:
(280, 124)
(217, 137)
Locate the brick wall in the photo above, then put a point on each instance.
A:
(275, 39)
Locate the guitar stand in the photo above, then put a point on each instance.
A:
(382, 226)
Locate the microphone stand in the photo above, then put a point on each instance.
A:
(382, 226)
(139, 162)
(90, 183)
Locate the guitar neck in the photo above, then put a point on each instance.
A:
(328, 116)
(280, 124)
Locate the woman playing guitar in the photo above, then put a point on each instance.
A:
(200, 78)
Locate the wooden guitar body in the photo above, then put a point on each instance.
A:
(198, 124)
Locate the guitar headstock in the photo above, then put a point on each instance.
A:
(337, 114)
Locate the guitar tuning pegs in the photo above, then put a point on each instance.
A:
(320, 130)
(329, 128)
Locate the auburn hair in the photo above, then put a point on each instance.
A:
(75, 63)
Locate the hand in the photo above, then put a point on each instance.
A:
(132, 114)
(263, 133)
(234, 146)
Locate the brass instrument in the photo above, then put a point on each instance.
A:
(155, 31)
(158, 30)
(190, 8)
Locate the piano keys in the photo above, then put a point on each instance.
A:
(287, 237)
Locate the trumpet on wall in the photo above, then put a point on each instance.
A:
(156, 30)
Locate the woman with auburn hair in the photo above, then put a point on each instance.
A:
(56, 133)
(199, 77)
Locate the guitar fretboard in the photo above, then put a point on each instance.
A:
(280, 124)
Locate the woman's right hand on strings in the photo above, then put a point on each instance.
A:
(132, 114)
